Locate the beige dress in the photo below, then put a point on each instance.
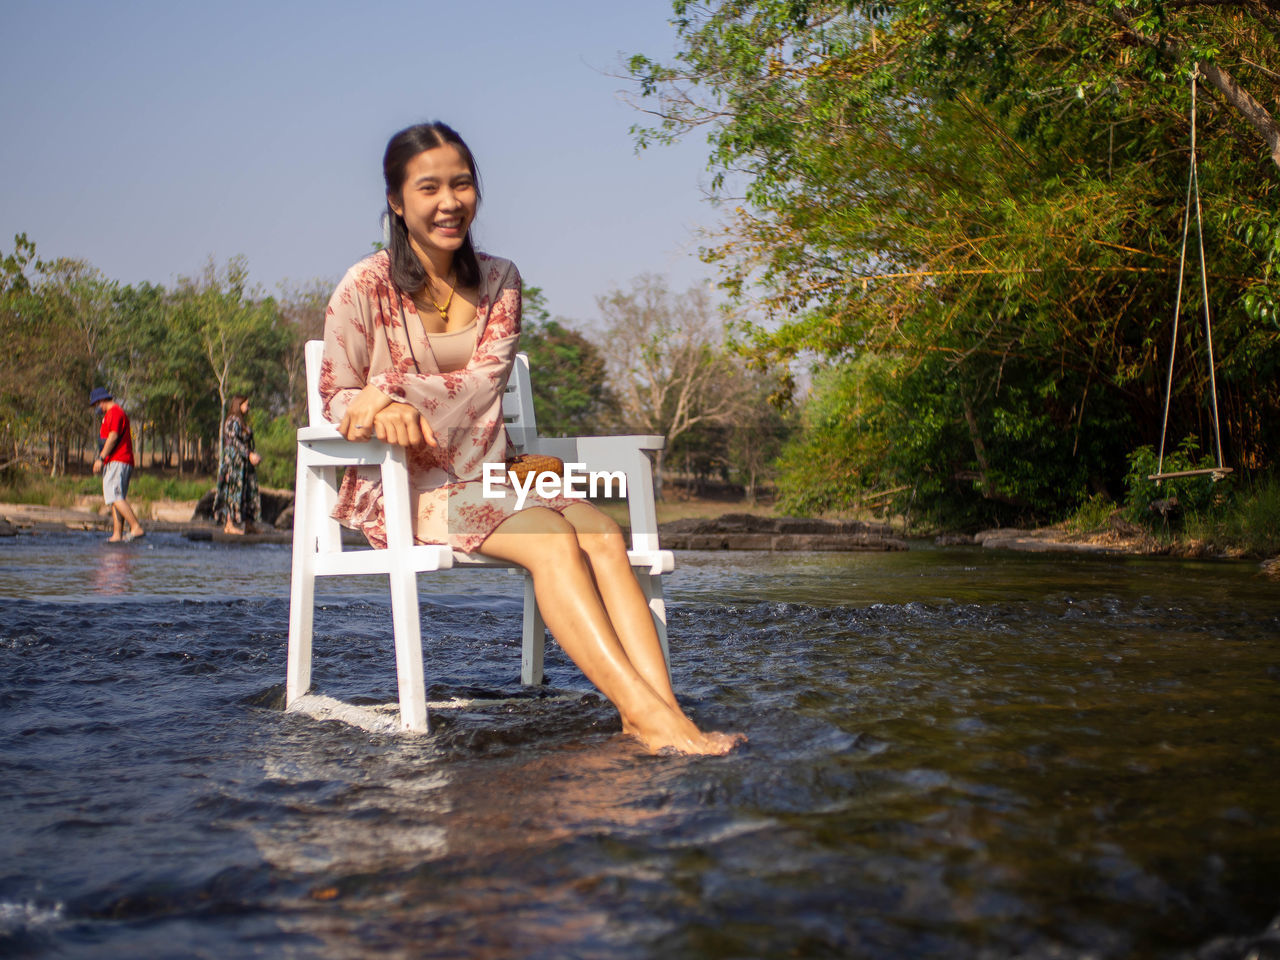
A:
(373, 335)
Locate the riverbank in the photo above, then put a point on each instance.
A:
(681, 526)
(692, 524)
(171, 517)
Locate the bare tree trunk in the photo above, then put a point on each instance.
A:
(979, 449)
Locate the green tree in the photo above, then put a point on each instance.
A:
(156, 359)
(76, 300)
(54, 315)
(741, 447)
(571, 397)
(302, 308)
(242, 337)
(986, 199)
(20, 312)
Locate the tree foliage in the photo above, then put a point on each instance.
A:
(173, 357)
(240, 337)
(675, 376)
(53, 325)
(975, 209)
(571, 396)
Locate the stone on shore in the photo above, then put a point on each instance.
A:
(274, 505)
(1057, 540)
(745, 531)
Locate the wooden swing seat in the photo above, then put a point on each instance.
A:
(1217, 473)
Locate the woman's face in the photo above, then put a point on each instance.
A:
(437, 200)
(244, 408)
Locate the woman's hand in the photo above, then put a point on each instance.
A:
(255, 458)
(402, 425)
(357, 423)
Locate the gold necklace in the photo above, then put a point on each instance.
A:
(443, 311)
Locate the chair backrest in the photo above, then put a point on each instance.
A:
(517, 401)
(517, 405)
(314, 355)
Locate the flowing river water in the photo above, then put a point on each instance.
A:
(953, 753)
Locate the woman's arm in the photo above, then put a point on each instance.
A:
(444, 401)
(235, 447)
(344, 371)
(450, 400)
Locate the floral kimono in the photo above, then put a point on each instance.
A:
(237, 498)
(373, 334)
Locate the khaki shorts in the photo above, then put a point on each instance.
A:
(115, 480)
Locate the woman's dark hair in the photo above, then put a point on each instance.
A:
(407, 272)
(235, 409)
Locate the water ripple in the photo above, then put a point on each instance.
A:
(951, 756)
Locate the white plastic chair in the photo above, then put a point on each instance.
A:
(323, 456)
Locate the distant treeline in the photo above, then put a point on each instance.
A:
(172, 356)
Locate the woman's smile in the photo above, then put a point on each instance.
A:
(438, 201)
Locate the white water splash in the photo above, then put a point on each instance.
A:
(27, 915)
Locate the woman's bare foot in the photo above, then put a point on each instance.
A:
(677, 732)
(237, 531)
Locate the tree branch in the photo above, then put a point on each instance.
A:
(1244, 103)
(1236, 96)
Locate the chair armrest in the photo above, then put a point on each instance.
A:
(326, 431)
(628, 454)
(324, 446)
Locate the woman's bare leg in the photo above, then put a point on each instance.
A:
(606, 550)
(545, 544)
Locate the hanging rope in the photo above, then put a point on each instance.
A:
(1193, 188)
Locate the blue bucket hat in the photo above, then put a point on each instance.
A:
(98, 395)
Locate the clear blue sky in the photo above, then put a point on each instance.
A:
(147, 136)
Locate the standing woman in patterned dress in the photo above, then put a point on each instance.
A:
(237, 501)
(419, 341)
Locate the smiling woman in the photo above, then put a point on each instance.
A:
(433, 202)
(419, 342)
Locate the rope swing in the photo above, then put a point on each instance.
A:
(1193, 185)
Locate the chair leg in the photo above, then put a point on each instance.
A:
(408, 635)
(534, 637)
(302, 587)
(405, 619)
(651, 584)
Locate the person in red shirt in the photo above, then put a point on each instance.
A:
(115, 462)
